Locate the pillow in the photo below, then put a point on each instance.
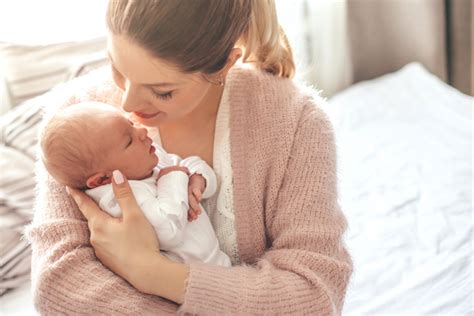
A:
(18, 143)
(29, 71)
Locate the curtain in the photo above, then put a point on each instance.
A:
(386, 34)
(317, 30)
(340, 42)
(460, 41)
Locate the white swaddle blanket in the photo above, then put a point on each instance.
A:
(165, 205)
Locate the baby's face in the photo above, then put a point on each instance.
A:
(124, 146)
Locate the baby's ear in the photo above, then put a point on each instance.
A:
(98, 179)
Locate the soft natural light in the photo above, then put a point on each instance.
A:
(42, 22)
(35, 22)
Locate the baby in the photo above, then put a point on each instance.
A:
(82, 145)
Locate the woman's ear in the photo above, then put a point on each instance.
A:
(234, 55)
(98, 179)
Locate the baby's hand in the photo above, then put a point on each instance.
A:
(196, 186)
(167, 170)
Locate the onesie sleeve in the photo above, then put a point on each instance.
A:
(199, 166)
(168, 211)
(165, 205)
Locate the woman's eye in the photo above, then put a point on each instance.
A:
(163, 96)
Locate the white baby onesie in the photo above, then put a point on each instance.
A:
(165, 205)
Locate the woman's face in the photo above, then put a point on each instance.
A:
(154, 91)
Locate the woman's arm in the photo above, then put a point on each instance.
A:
(307, 268)
(67, 278)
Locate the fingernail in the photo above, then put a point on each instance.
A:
(118, 177)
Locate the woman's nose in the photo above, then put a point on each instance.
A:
(130, 98)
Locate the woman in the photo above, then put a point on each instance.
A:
(275, 214)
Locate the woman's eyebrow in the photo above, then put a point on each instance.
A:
(158, 85)
(151, 85)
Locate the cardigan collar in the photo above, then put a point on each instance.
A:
(260, 104)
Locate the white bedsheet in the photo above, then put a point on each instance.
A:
(18, 302)
(405, 169)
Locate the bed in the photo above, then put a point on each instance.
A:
(405, 163)
(404, 144)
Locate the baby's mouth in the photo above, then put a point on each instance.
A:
(152, 149)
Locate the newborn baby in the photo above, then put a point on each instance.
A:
(84, 143)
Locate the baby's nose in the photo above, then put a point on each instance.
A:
(143, 132)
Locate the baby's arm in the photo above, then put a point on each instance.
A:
(165, 207)
(171, 204)
(198, 166)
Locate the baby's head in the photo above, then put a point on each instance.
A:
(84, 143)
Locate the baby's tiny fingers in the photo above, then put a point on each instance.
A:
(191, 215)
(193, 203)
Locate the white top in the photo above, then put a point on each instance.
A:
(165, 205)
(220, 206)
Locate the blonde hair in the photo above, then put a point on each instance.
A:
(199, 35)
(65, 151)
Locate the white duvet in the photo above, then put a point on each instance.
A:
(405, 169)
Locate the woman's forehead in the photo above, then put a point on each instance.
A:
(139, 66)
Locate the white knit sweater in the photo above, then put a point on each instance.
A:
(220, 206)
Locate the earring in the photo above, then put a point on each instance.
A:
(220, 82)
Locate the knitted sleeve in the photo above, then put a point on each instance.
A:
(67, 278)
(307, 268)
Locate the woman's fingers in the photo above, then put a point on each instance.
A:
(87, 206)
(124, 195)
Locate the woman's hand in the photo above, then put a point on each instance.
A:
(129, 246)
(125, 245)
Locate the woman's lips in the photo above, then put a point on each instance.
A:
(145, 115)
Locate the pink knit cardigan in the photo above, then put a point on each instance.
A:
(288, 222)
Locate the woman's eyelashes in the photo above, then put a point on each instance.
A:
(119, 80)
(163, 96)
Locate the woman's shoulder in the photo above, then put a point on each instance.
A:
(265, 95)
